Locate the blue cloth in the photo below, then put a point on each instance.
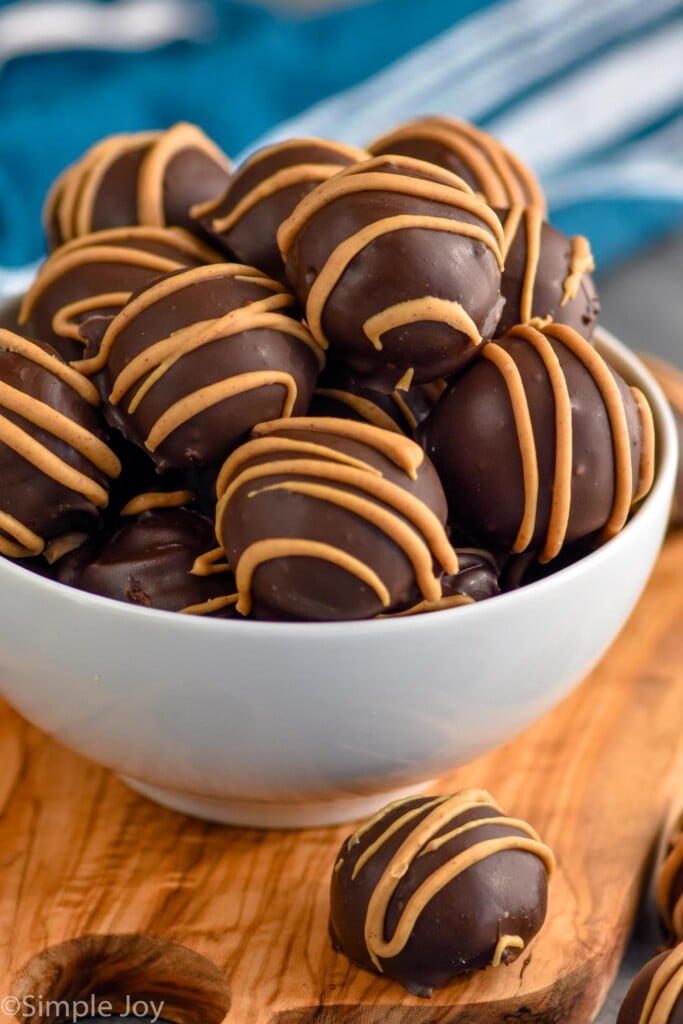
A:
(590, 94)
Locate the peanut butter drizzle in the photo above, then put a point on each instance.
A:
(65, 322)
(94, 167)
(665, 989)
(434, 390)
(60, 546)
(300, 174)
(560, 505)
(67, 259)
(399, 449)
(403, 407)
(20, 542)
(214, 604)
(507, 367)
(581, 262)
(160, 357)
(534, 225)
(167, 287)
(416, 842)
(404, 382)
(265, 445)
(287, 547)
(370, 412)
(174, 237)
(646, 471)
(428, 308)
(476, 160)
(50, 464)
(169, 144)
(210, 563)
(450, 191)
(14, 343)
(199, 401)
(60, 426)
(671, 867)
(504, 943)
(402, 502)
(511, 223)
(450, 601)
(606, 384)
(157, 499)
(340, 258)
(404, 536)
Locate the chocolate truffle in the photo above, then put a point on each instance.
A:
(55, 463)
(263, 192)
(670, 380)
(150, 178)
(670, 885)
(656, 995)
(546, 275)
(95, 275)
(540, 443)
(331, 519)
(433, 887)
(473, 154)
(149, 560)
(398, 264)
(196, 359)
(338, 395)
(475, 580)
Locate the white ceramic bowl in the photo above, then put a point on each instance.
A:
(288, 724)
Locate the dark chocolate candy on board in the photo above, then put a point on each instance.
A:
(433, 887)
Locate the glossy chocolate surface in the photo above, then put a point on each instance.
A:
(362, 516)
(398, 266)
(473, 154)
(656, 995)
(148, 561)
(55, 462)
(262, 193)
(95, 275)
(193, 362)
(422, 894)
(502, 487)
(148, 178)
(546, 275)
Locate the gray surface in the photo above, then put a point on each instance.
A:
(642, 303)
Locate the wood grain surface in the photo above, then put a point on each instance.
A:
(135, 891)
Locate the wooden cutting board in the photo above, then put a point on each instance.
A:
(82, 858)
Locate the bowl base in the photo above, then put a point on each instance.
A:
(276, 815)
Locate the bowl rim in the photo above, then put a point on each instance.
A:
(666, 454)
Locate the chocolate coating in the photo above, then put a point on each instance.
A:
(55, 463)
(484, 890)
(473, 154)
(540, 443)
(148, 178)
(148, 561)
(338, 394)
(263, 192)
(331, 519)
(398, 265)
(656, 995)
(670, 885)
(95, 275)
(546, 274)
(477, 579)
(191, 363)
(670, 380)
